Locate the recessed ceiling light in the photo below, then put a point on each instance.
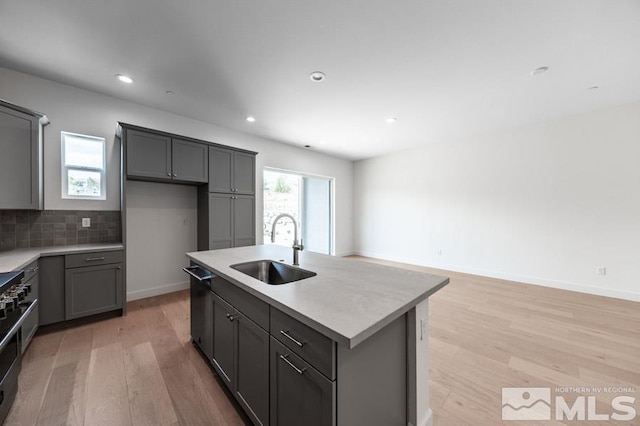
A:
(124, 78)
(539, 70)
(317, 76)
(392, 120)
(251, 119)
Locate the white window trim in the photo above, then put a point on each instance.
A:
(102, 171)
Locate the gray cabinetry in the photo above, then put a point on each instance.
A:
(21, 136)
(148, 155)
(231, 171)
(241, 348)
(189, 161)
(51, 303)
(92, 290)
(300, 395)
(79, 285)
(223, 331)
(30, 324)
(225, 220)
(159, 157)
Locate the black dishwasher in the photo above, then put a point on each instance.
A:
(201, 309)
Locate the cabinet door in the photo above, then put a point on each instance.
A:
(244, 173)
(19, 160)
(51, 290)
(223, 331)
(252, 370)
(220, 221)
(244, 223)
(300, 395)
(190, 161)
(220, 170)
(148, 155)
(202, 318)
(92, 290)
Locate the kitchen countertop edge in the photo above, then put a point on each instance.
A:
(13, 260)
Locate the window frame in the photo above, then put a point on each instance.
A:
(66, 169)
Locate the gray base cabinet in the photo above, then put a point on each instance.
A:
(21, 138)
(223, 338)
(240, 356)
(300, 395)
(80, 285)
(92, 290)
(285, 373)
(51, 304)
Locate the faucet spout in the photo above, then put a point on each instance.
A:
(297, 246)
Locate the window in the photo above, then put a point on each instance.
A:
(308, 199)
(83, 167)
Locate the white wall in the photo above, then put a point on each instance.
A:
(544, 204)
(81, 111)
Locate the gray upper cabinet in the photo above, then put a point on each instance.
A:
(21, 137)
(231, 171)
(189, 161)
(148, 155)
(155, 156)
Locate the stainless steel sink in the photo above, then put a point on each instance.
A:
(272, 272)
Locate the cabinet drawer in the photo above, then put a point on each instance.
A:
(255, 309)
(315, 348)
(92, 259)
(31, 270)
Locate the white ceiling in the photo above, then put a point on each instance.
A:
(445, 68)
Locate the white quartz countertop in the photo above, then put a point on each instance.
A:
(348, 301)
(17, 259)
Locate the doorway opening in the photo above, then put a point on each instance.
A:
(309, 199)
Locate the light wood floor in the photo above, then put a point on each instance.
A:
(485, 334)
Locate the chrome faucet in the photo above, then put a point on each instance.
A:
(297, 247)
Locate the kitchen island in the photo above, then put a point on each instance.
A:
(347, 346)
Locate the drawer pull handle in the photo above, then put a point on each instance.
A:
(93, 259)
(284, 358)
(294, 340)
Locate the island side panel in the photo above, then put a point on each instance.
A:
(418, 409)
(372, 379)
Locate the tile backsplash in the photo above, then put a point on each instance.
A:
(26, 229)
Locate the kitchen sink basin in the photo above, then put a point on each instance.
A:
(272, 272)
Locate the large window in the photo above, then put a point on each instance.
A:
(83, 167)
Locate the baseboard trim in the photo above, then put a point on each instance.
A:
(426, 421)
(561, 285)
(156, 291)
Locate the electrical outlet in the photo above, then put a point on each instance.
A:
(601, 271)
(86, 222)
